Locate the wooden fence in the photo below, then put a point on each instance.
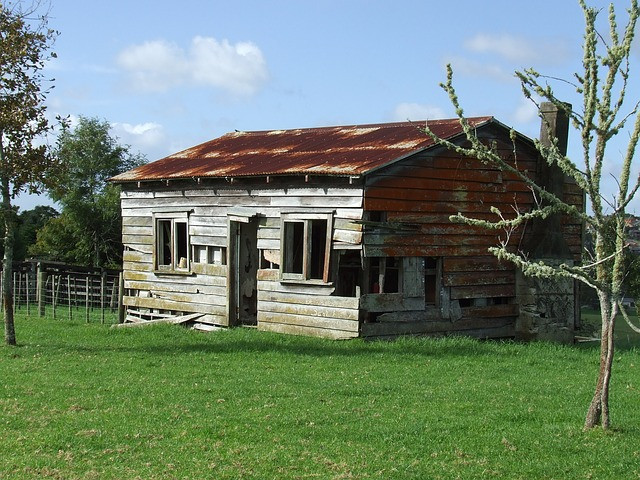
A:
(67, 290)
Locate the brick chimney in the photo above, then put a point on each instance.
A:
(547, 240)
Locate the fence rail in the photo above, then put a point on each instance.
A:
(60, 289)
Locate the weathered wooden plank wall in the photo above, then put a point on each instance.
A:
(205, 290)
(304, 309)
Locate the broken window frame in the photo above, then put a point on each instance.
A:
(433, 270)
(209, 254)
(176, 239)
(304, 239)
(379, 268)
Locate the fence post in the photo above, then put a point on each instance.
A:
(121, 310)
(102, 278)
(53, 294)
(86, 304)
(41, 280)
(27, 289)
(69, 296)
(14, 291)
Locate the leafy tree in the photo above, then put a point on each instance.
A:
(29, 222)
(601, 87)
(88, 231)
(24, 49)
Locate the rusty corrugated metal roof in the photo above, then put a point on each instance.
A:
(340, 150)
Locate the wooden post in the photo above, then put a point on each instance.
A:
(102, 278)
(41, 292)
(121, 310)
(14, 292)
(53, 295)
(17, 291)
(28, 292)
(69, 296)
(86, 305)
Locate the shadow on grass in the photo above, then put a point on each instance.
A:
(169, 340)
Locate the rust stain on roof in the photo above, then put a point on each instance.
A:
(341, 150)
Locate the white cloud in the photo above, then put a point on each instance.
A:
(518, 49)
(415, 111)
(526, 111)
(148, 138)
(475, 68)
(160, 65)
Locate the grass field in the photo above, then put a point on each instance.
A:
(82, 401)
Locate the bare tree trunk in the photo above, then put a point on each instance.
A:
(7, 265)
(598, 412)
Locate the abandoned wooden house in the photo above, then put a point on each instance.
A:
(343, 232)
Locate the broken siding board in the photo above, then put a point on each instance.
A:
(135, 194)
(203, 221)
(317, 202)
(409, 239)
(347, 236)
(324, 323)
(137, 239)
(137, 221)
(143, 248)
(422, 251)
(306, 331)
(306, 289)
(208, 241)
(440, 195)
(447, 207)
(345, 303)
(479, 278)
(268, 244)
(188, 297)
(220, 291)
(312, 311)
(485, 263)
(133, 256)
(137, 266)
(483, 291)
(207, 230)
(390, 302)
(209, 269)
(502, 329)
(408, 182)
(492, 311)
(137, 230)
(162, 304)
(177, 279)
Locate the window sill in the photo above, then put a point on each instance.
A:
(295, 281)
(182, 273)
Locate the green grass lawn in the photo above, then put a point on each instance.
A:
(82, 401)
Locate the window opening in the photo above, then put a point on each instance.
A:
(318, 248)
(164, 243)
(209, 254)
(172, 244)
(349, 274)
(385, 274)
(293, 247)
(305, 246)
(430, 280)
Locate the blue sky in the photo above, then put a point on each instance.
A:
(168, 76)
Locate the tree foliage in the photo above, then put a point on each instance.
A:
(604, 114)
(88, 231)
(25, 41)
